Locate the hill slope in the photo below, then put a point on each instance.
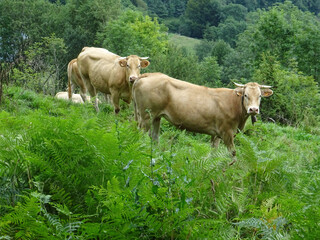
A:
(186, 42)
(69, 172)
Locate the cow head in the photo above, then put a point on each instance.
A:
(251, 94)
(133, 64)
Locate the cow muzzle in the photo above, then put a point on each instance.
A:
(132, 79)
(253, 110)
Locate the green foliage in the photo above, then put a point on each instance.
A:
(210, 72)
(30, 219)
(43, 66)
(133, 33)
(176, 63)
(189, 44)
(84, 19)
(227, 31)
(295, 95)
(180, 64)
(200, 13)
(167, 8)
(67, 172)
(22, 23)
(283, 30)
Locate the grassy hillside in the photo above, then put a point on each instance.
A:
(68, 172)
(186, 42)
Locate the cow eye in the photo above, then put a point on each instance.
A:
(128, 66)
(245, 95)
(139, 66)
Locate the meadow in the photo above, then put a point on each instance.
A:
(68, 172)
(187, 43)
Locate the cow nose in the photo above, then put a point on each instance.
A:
(132, 78)
(253, 110)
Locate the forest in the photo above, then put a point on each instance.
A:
(68, 172)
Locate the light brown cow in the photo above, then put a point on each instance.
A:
(76, 98)
(219, 112)
(109, 73)
(75, 80)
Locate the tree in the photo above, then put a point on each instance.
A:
(295, 94)
(133, 33)
(227, 31)
(43, 65)
(204, 49)
(210, 72)
(176, 63)
(220, 50)
(286, 32)
(84, 19)
(236, 11)
(23, 22)
(201, 13)
(158, 7)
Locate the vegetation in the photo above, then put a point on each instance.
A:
(67, 172)
(187, 43)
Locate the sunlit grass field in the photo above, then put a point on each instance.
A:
(186, 42)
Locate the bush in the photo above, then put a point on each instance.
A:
(133, 33)
(67, 172)
(296, 96)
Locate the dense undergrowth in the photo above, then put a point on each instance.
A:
(69, 173)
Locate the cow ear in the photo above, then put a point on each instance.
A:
(145, 63)
(239, 91)
(266, 92)
(123, 62)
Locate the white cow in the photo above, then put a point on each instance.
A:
(76, 98)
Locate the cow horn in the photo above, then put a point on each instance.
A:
(238, 84)
(144, 58)
(265, 86)
(121, 58)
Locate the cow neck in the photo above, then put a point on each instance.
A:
(127, 83)
(244, 115)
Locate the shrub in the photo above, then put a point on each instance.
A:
(295, 94)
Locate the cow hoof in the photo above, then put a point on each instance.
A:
(117, 111)
(234, 153)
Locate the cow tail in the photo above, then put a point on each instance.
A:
(69, 80)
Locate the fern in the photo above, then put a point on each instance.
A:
(263, 229)
(70, 173)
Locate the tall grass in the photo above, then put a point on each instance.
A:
(67, 172)
(187, 43)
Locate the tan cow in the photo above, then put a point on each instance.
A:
(219, 112)
(109, 73)
(76, 98)
(75, 80)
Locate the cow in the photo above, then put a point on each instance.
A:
(76, 98)
(219, 112)
(108, 73)
(75, 80)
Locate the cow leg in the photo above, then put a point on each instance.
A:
(137, 116)
(115, 101)
(135, 111)
(144, 121)
(228, 140)
(83, 93)
(145, 124)
(156, 128)
(215, 141)
(93, 94)
(107, 98)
